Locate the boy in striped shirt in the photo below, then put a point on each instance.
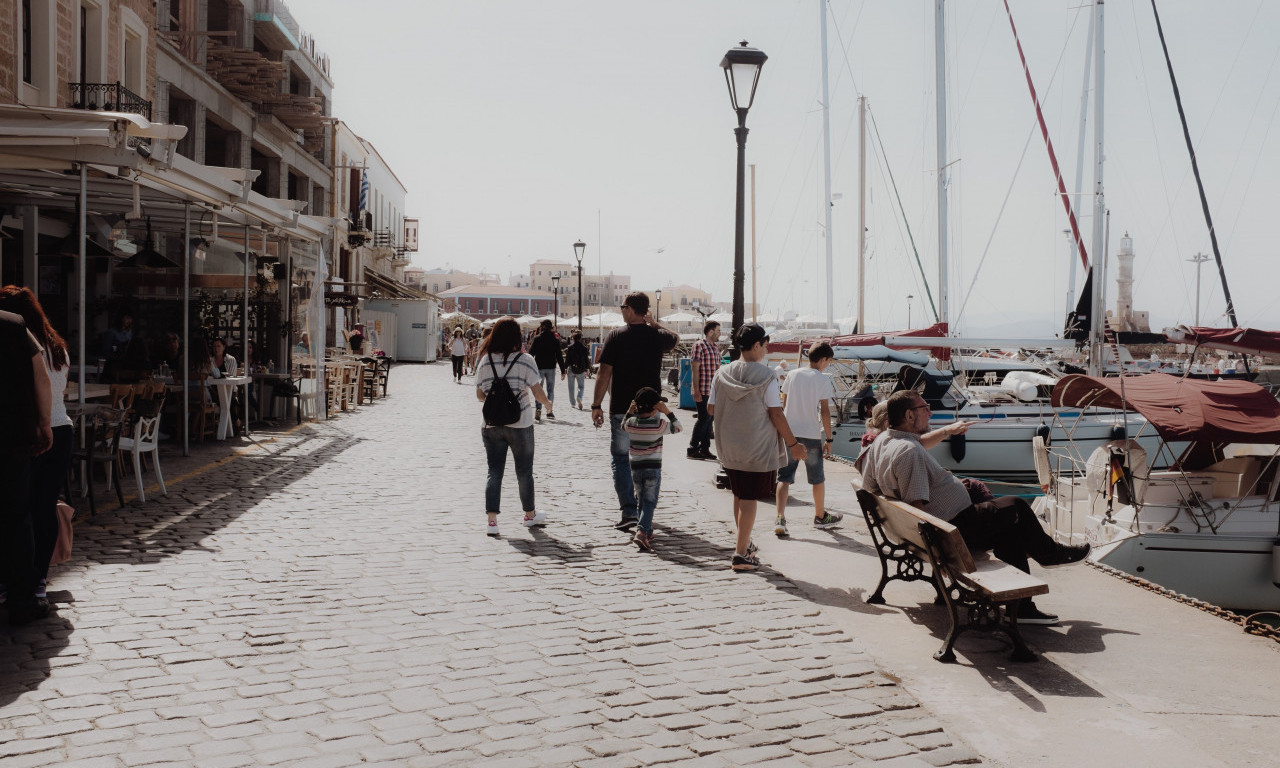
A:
(648, 419)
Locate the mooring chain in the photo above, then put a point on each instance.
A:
(1252, 626)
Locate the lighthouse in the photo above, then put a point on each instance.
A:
(1125, 319)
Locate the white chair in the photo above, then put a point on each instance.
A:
(146, 439)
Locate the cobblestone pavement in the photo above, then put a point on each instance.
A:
(330, 599)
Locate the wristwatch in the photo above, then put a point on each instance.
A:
(596, 407)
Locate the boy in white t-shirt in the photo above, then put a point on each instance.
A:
(807, 394)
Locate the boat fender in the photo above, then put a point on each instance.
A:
(1045, 433)
(1040, 454)
(957, 447)
(1275, 562)
(1118, 432)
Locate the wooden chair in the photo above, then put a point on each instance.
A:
(122, 397)
(204, 412)
(102, 443)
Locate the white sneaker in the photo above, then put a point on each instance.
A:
(492, 528)
(538, 519)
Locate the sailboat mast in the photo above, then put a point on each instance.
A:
(1084, 123)
(940, 85)
(1097, 315)
(862, 213)
(826, 164)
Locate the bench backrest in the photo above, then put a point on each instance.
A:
(902, 522)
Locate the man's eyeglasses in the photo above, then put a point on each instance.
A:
(924, 407)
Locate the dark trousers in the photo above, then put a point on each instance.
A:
(457, 366)
(700, 440)
(1008, 528)
(17, 543)
(48, 476)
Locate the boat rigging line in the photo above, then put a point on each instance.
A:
(1195, 168)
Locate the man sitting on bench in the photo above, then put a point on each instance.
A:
(898, 466)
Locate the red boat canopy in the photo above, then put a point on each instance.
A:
(1247, 340)
(1228, 411)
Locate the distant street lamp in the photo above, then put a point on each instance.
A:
(741, 67)
(579, 248)
(909, 298)
(1198, 259)
(657, 311)
(555, 288)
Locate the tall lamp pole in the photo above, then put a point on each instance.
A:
(579, 249)
(555, 288)
(1198, 259)
(657, 310)
(741, 73)
(909, 298)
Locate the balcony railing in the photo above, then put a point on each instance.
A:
(109, 97)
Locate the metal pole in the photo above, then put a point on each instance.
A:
(579, 295)
(84, 224)
(1097, 313)
(754, 306)
(1198, 259)
(739, 220)
(940, 85)
(826, 159)
(186, 329)
(862, 214)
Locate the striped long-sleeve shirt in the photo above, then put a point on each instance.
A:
(646, 438)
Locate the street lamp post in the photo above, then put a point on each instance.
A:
(1198, 259)
(579, 248)
(741, 67)
(657, 310)
(555, 288)
(909, 298)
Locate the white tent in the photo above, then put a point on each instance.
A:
(607, 319)
(722, 317)
(680, 317)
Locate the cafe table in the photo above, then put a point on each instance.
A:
(91, 391)
(225, 386)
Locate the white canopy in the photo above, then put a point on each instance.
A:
(681, 317)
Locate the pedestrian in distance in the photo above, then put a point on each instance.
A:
(501, 358)
(49, 469)
(648, 419)
(704, 362)
(548, 355)
(807, 395)
(899, 466)
(631, 359)
(24, 433)
(578, 359)
(752, 435)
(457, 353)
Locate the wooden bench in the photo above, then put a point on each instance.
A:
(987, 592)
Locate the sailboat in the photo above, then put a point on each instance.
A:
(1011, 412)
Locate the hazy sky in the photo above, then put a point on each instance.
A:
(521, 126)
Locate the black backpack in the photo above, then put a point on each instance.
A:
(501, 406)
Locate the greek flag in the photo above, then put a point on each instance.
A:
(364, 191)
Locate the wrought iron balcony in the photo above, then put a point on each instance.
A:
(109, 97)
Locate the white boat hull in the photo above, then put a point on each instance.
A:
(1231, 571)
(998, 445)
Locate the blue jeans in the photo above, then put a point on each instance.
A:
(647, 482)
(496, 442)
(579, 379)
(548, 376)
(702, 429)
(620, 450)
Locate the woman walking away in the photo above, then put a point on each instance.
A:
(578, 358)
(49, 469)
(457, 353)
(502, 361)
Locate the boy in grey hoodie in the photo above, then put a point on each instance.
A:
(752, 436)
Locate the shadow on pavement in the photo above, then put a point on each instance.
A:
(198, 507)
(25, 653)
(544, 544)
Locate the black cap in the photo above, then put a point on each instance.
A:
(648, 397)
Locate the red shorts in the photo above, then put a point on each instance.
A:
(752, 486)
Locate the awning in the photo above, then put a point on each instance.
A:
(1247, 340)
(1227, 411)
(390, 288)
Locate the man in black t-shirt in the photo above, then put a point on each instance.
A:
(24, 432)
(631, 359)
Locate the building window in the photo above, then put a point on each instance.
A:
(133, 55)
